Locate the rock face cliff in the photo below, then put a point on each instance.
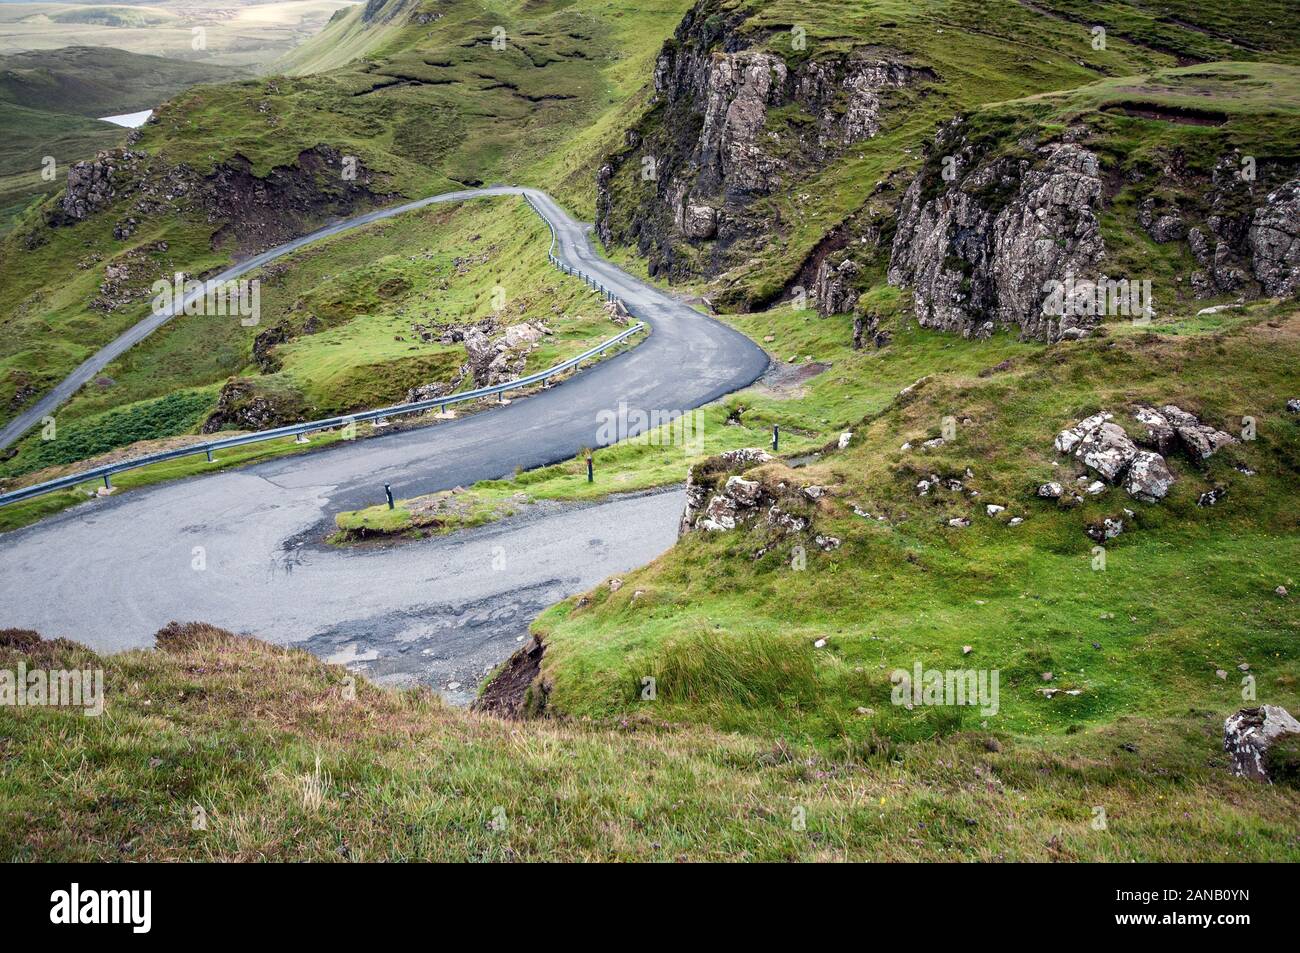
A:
(994, 220)
(979, 236)
(736, 116)
(1247, 239)
(1274, 239)
(249, 212)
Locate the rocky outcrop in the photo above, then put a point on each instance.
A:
(1218, 242)
(246, 404)
(129, 277)
(1200, 440)
(448, 334)
(618, 312)
(1149, 478)
(1274, 239)
(1250, 736)
(1107, 449)
(867, 328)
(92, 185)
(834, 291)
(980, 245)
(248, 212)
(430, 391)
(495, 361)
(491, 357)
(701, 482)
(1245, 237)
(720, 498)
(733, 121)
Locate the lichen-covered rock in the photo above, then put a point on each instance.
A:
(785, 521)
(1149, 478)
(980, 249)
(1250, 733)
(1108, 450)
(618, 312)
(744, 492)
(701, 485)
(1068, 440)
(745, 455)
(1159, 433)
(1108, 528)
(519, 335)
(496, 361)
(833, 290)
(700, 221)
(1275, 241)
(480, 352)
(719, 499)
(739, 88)
(430, 391)
(1201, 440)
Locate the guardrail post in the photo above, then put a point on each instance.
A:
(209, 453)
(591, 470)
(108, 481)
(388, 492)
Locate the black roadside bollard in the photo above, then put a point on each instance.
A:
(591, 473)
(776, 437)
(388, 492)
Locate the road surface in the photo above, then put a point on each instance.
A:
(110, 572)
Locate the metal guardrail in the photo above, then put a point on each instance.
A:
(554, 259)
(107, 471)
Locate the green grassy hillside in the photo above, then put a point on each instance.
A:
(224, 748)
(430, 97)
(727, 622)
(771, 654)
(438, 110)
(344, 314)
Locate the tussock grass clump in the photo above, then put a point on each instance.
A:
(752, 669)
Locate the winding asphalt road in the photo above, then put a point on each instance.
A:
(235, 548)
